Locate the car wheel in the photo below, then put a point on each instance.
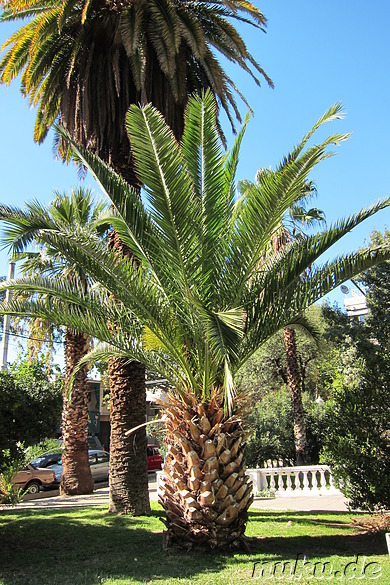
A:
(33, 487)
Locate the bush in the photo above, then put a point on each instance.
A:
(10, 495)
(30, 408)
(358, 443)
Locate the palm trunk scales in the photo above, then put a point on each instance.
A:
(206, 492)
(128, 463)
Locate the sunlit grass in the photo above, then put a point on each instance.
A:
(89, 546)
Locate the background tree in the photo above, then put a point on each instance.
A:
(272, 429)
(265, 376)
(73, 56)
(201, 311)
(83, 64)
(358, 444)
(299, 216)
(266, 371)
(30, 406)
(78, 209)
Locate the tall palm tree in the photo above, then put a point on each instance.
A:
(298, 214)
(297, 217)
(83, 64)
(193, 295)
(75, 209)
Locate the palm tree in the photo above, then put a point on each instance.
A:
(75, 209)
(297, 217)
(83, 64)
(194, 296)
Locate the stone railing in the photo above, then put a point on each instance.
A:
(306, 480)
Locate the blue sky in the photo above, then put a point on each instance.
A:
(317, 53)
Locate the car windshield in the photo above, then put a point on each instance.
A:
(38, 461)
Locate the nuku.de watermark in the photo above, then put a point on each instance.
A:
(303, 568)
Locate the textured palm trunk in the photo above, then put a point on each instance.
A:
(206, 493)
(128, 467)
(76, 475)
(294, 384)
(128, 459)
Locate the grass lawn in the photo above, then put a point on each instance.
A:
(87, 546)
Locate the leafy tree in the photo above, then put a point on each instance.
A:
(358, 443)
(272, 429)
(265, 376)
(83, 64)
(30, 407)
(196, 292)
(266, 371)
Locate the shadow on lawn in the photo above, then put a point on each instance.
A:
(87, 547)
(307, 518)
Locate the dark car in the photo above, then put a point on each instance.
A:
(94, 443)
(47, 459)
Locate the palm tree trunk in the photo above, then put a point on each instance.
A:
(128, 458)
(294, 384)
(76, 475)
(128, 466)
(206, 493)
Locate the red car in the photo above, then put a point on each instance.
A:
(154, 458)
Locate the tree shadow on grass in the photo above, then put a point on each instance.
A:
(315, 518)
(322, 546)
(88, 546)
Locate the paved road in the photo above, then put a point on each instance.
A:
(336, 503)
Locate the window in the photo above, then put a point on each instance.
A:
(92, 459)
(102, 458)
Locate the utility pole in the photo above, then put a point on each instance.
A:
(7, 320)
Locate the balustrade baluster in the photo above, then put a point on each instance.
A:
(314, 481)
(288, 482)
(323, 481)
(306, 487)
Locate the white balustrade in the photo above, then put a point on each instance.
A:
(305, 480)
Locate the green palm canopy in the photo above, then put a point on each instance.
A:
(84, 63)
(205, 291)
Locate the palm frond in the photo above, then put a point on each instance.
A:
(162, 170)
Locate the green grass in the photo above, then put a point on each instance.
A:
(88, 546)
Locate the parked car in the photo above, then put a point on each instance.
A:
(32, 479)
(98, 461)
(47, 459)
(154, 458)
(94, 443)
